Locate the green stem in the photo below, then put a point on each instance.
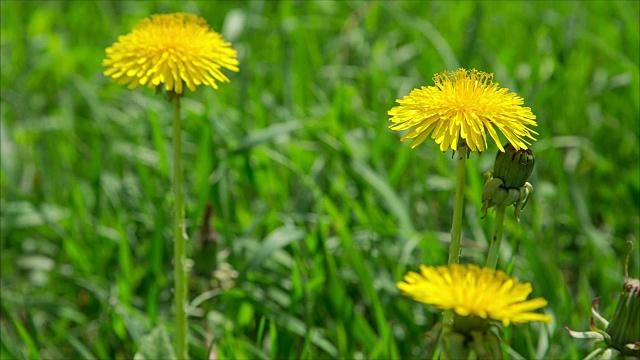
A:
(494, 248)
(179, 237)
(455, 347)
(456, 227)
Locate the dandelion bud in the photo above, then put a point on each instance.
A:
(507, 183)
(624, 327)
(513, 166)
(622, 333)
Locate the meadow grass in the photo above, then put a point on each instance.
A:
(317, 209)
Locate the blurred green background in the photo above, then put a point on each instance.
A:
(316, 208)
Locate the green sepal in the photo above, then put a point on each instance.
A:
(513, 166)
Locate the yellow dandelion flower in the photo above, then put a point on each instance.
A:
(463, 105)
(170, 49)
(473, 291)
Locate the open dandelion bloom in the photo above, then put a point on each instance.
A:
(463, 105)
(171, 49)
(472, 291)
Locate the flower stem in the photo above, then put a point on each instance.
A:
(456, 227)
(454, 347)
(179, 237)
(494, 248)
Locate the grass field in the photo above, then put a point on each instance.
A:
(317, 208)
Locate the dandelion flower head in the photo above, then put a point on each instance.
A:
(463, 105)
(473, 291)
(170, 49)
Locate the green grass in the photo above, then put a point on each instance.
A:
(317, 206)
